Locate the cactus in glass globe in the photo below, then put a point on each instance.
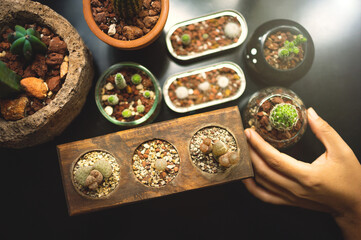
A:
(127, 9)
(26, 42)
(284, 116)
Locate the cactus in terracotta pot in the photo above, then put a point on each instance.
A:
(127, 9)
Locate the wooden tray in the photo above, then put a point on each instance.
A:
(122, 145)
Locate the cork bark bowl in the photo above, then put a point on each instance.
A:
(52, 119)
(135, 44)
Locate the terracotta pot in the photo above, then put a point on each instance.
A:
(52, 119)
(132, 44)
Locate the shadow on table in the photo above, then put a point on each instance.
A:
(153, 57)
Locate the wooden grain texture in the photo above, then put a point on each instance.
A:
(122, 145)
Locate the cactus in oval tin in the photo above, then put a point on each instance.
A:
(26, 42)
(127, 9)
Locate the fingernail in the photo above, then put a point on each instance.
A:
(248, 133)
(312, 114)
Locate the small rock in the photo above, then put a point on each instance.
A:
(57, 45)
(112, 30)
(35, 87)
(150, 21)
(53, 83)
(13, 109)
(54, 59)
(132, 32)
(64, 68)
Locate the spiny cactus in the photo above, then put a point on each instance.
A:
(186, 39)
(26, 42)
(127, 9)
(104, 167)
(291, 47)
(120, 82)
(136, 79)
(9, 82)
(140, 108)
(284, 116)
(113, 99)
(126, 113)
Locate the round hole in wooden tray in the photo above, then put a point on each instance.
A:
(144, 158)
(108, 186)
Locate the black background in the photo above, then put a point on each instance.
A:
(34, 199)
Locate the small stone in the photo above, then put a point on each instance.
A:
(109, 86)
(57, 45)
(112, 29)
(35, 87)
(64, 68)
(109, 110)
(53, 83)
(132, 32)
(232, 30)
(222, 81)
(13, 109)
(204, 86)
(181, 92)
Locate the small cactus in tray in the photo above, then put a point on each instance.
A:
(9, 82)
(284, 116)
(26, 42)
(127, 9)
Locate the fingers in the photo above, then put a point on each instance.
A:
(270, 175)
(324, 132)
(273, 197)
(283, 163)
(263, 194)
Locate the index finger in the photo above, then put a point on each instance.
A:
(279, 161)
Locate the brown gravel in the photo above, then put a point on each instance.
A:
(207, 162)
(215, 36)
(144, 161)
(125, 29)
(196, 95)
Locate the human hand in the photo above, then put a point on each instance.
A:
(332, 183)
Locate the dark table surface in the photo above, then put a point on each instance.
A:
(33, 187)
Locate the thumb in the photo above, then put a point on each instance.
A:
(324, 132)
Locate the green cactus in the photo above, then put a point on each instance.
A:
(127, 9)
(9, 82)
(186, 39)
(291, 47)
(146, 94)
(140, 108)
(126, 113)
(26, 42)
(113, 99)
(104, 167)
(82, 173)
(284, 116)
(120, 82)
(136, 79)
